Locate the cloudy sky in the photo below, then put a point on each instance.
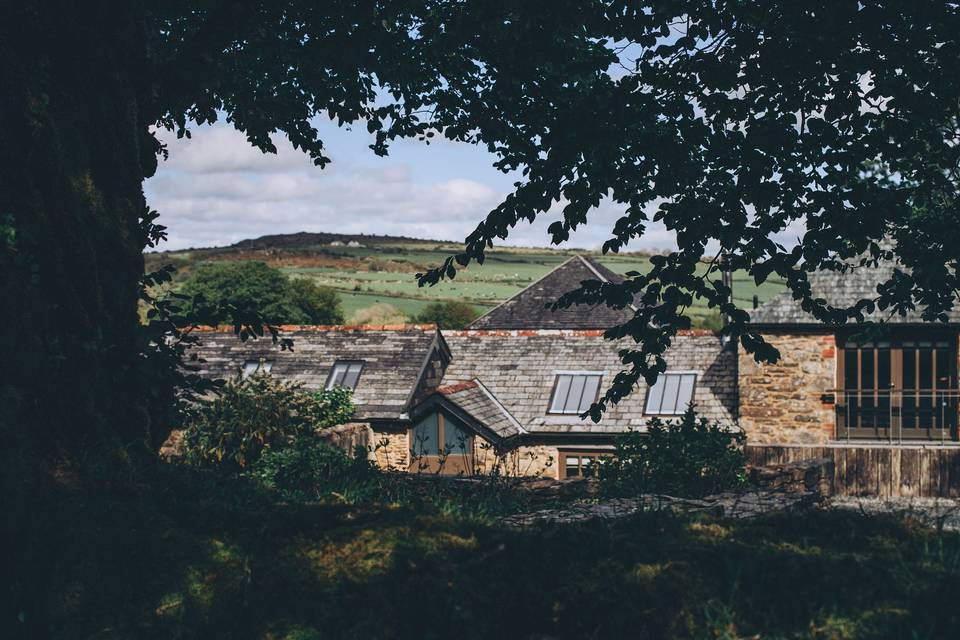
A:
(216, 189)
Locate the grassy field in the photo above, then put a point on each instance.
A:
(191, 559)
(383, 272)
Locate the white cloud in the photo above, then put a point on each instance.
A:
(216, 189)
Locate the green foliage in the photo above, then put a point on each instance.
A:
(451, 314)
(306, 469)
(184, 558)
(251, 416)
(255, 286)
(688, 457)
(319, 305)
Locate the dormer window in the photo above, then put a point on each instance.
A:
(574, 391)
(251, 367)
(345, 373)
(672, 394)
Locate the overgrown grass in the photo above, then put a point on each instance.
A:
(195, 555)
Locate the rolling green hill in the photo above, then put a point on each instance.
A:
(367, 270)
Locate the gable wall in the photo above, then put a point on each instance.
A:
(782, 403)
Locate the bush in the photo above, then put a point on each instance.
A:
(250, 416)
(255, 286)
(687, 458)
(451, 314)
(307, 469)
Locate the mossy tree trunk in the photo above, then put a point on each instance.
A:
(73, 155)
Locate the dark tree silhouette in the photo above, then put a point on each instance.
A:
(730, 120)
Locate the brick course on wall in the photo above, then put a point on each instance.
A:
(783, 403)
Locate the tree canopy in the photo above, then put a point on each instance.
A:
(255, 286)
(729, 122)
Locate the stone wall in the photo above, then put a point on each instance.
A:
(538, 460)
(783, 403)
(527, 460)
(391, 448)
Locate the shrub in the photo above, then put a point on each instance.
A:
(379, 313)
(451, 314)
(689, 457)
(249, 416)
(308, 469)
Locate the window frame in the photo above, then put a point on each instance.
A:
(348, 363)
(677, 411)
(573, 374)
(563, 454)
(895, 413)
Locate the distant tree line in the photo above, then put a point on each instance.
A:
(251, 285)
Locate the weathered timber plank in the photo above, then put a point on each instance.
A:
(884, 462)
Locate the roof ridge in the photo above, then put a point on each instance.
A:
(329, 327)
(526, 333)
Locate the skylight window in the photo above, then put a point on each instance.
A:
(251, 367)
(345, 374)
(671, 395)
(574, 392)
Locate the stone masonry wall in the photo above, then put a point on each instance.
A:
(538, 460)
(783, 403)
(391, 449)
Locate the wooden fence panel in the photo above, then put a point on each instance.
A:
(876, 470)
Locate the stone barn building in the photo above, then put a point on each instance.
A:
(508, 391)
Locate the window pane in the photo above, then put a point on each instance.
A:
(572, 467)
(249, 367)
(671, 386)
(345, 374)
(926, 377)
(266, 366)
(850, 380)
(352, 375)
(456, 439)
(560, 394)
(426, 437)
(589, 466)
(589, 393)
(883, 386)
(672, 393)
(943, 368)
(576, 392)
(685, 395)
(655, 396)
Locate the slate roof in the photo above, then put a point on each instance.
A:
(394, 360)
(528, 309)
(473, 398)
(519, 368)
(839, 290)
